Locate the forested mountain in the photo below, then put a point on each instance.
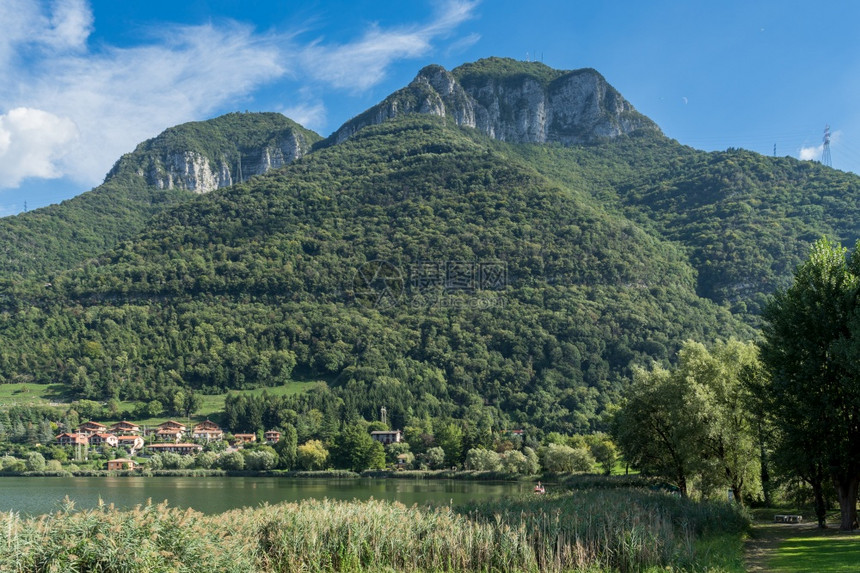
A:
(439, 269)
(161, 172)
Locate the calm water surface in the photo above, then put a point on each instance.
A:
(37, 495)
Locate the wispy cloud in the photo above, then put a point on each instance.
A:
(74, 108)
(364, 63)
(310, 115)
(813, 153)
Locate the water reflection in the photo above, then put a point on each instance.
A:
(33, 496)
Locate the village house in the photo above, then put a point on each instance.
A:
(169, 431)
(125, 429)
(387, 436)
(272, 437)
(103, 439)
(131, 443)
(181, 449)
(90, 428)
(244, 438)
(121, 464)
(208, 431)
(69, 439)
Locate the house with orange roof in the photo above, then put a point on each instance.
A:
(103, 439)
(91, 427)
(125, 429)
(170, 431)
(181, 449)
(71, 439)
(121, 464)
(244, 438)
(132, 443)
(208, 431)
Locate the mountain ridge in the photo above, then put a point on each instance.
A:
(518, 102)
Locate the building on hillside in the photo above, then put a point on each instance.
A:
(387, 436)
(103, 439)
(272, 437)
(131, 443)
(181, 449)
(125, 429)
(169, 431)
(208, 431)
(91, 427)
(70, 439)
(244, 438)
(121, 464)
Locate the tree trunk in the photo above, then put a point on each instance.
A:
(682, 485)
(846, 489)
(765, 476)
(820, 505)
(736, 491)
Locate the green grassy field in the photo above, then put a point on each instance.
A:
(28, 394)
(817, 551)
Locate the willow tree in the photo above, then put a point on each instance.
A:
(692, 421)
(811, 349)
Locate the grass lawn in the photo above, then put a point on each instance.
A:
(28, 394)
(817, 551)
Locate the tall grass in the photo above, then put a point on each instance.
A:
(616, 530)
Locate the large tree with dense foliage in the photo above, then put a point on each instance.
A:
(811, 348)
(693, 420)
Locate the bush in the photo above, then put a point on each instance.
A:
(482, 460)
(35, 462)
(564, 459)
(232, 461)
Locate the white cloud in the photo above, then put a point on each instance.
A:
(364, 63)
(71, 23)
(32, 142)
(813, 153)
(810, 153)
(309, 115)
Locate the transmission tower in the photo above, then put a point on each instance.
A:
(825, 150)
(383, 414)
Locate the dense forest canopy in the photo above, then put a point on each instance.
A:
(417, 264)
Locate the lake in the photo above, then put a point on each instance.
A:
(38, 495)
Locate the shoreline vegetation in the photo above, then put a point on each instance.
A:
(614, 529)
(566, 481)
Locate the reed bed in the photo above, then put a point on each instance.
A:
(622, 531)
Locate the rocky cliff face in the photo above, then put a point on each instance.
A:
(207, 155)
(193, 171)
(519, 102)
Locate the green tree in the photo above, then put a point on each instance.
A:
(811, 349)
(354, 449)
(312, 455)
(603, 450)
(286, 447)
(657, 430)
(433, 458)
(564, 459)
(482, 460)
(724, 406)
(232, 461)
(35, 462)
(449, 437)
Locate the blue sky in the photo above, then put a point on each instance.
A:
(86, 80)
